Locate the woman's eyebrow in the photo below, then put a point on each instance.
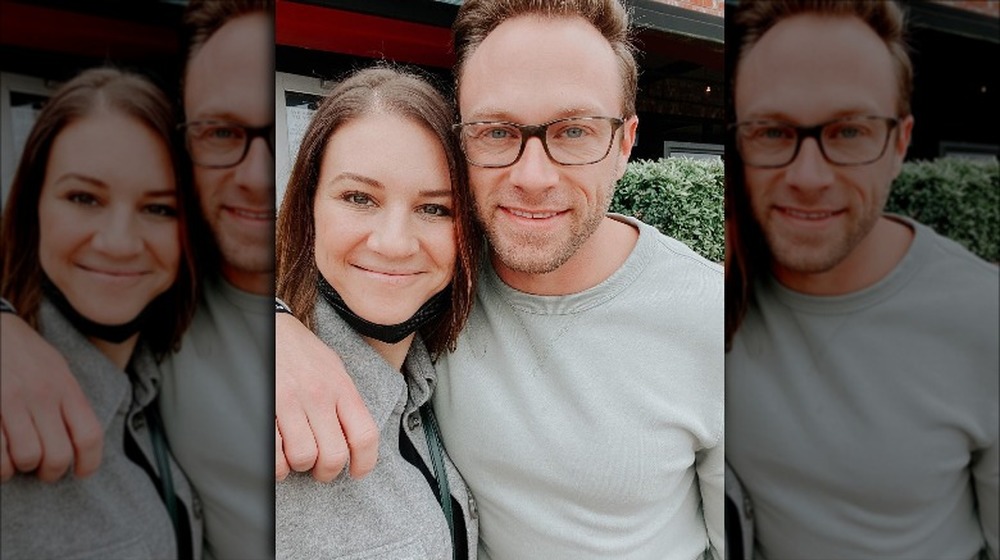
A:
(348, 176)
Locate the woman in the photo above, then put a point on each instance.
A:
(376, 253)
(96, 256)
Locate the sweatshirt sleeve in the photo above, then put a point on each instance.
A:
(711, 480)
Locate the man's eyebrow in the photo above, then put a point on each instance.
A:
(497, 114)
(785, 117)
(225, 116)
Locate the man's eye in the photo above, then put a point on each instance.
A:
(497, 133)
(224, 133)
(573, 132)
(772, 133)
(848, 132)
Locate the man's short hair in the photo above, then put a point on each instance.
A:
(478, 18)
(203, 18)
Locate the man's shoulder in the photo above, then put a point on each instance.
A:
(669, 248)
(946, 264)
(671, 261)
(954, 254)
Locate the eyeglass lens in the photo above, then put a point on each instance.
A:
(852, 141)
(220, 144)
(577, 141)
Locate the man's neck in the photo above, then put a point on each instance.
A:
(595, 261)
(871, 261)
(260, 283)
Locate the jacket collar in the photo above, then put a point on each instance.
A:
(378, 383)
(107, 387)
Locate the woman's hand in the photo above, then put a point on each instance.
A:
(320, 419)
(48, 423)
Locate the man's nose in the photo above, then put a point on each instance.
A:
(535, 170)
(809, 170)
(256, 171)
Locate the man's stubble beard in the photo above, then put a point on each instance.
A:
(510, 247)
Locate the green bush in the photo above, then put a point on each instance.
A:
(959, 198)
(681, 197)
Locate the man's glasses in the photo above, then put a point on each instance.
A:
(857, 140)
(572, 141)
(219, 144)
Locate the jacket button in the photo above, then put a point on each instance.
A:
(197, 507)
(413, 422)
(748, 507)
(473, 511)
(138, 422)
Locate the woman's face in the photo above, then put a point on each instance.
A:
(109, 236)
(385, 238)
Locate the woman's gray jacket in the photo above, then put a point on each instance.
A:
(393, 512)
(117, 512)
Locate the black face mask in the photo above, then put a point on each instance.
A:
(390, 334)
(90, 329)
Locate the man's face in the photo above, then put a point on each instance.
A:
(230, 79)
(808, 70)
(538, 213)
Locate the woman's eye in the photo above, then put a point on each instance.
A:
(165, 210)
(435, 210)
(86, 199)
(358, 199)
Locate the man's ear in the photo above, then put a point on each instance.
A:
(902, 143)
(629, 130)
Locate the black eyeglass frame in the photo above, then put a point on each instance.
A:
(529, 131)
(267, 132)
(815, 132)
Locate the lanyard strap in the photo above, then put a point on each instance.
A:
(163, 466)
(437, 459)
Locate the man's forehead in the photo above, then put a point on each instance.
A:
(230, 77)
(810, 68)
(532, 69)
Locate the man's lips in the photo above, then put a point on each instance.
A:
(532, 214)
(808, 215)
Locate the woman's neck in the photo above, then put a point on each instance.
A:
(395, 354)
(119, 353)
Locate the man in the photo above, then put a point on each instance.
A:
(583, 404)
(861, 384)
(216, 398)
